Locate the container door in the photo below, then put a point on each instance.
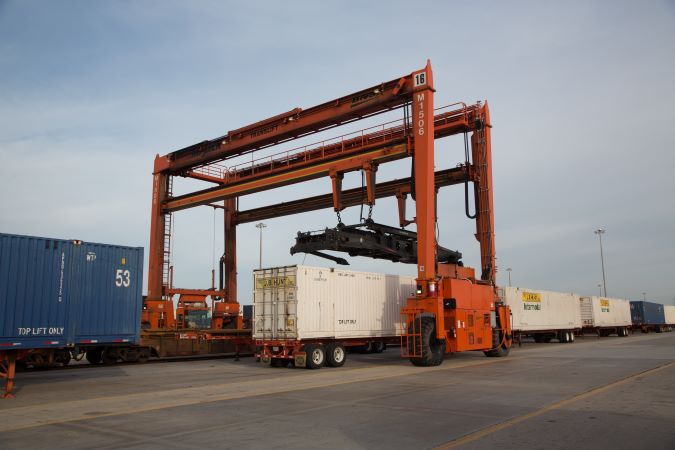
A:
(275, 303)
(586, 308)
(106, 292)
(34, 291)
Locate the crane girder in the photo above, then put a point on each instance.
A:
(291, 125)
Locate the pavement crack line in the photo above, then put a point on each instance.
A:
(479, 434)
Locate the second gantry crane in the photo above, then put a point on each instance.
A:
(453, 310)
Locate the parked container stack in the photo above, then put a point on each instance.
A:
(605, 316)
(543, 315)
(63, 297)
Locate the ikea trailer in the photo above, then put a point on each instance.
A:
(605, 316)
(64, 298)
(311, 315)
(543, 315)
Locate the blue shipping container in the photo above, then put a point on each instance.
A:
(647, 313)
(58, 293)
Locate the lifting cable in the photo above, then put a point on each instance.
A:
(213, 247)
(466, 183)
(362, 194)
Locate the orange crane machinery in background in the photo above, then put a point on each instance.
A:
(454, 310)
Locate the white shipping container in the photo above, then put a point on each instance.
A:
(604, 312)
(669, 313)
(534, 310)
(302, 302)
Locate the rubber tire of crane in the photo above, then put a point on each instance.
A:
(94, 355)
(499, 352)
(316, 356)
(336, 355)
(431, 349)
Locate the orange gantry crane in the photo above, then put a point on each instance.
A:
(453, 310)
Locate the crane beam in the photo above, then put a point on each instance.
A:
(350, 197)
(291, 125)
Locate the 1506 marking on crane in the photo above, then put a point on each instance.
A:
(420, 114)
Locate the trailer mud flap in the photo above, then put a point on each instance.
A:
(300, 359)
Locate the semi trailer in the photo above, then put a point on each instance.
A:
(310, 316)
(543, 315)
(605, 316)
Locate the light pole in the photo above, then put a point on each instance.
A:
(508, 269)
(600, 290)
(600, 232)
(644, 296)
(260, 226)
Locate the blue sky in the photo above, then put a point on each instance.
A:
(581, 96)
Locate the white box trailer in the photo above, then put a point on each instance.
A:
(669, 313)
(544, 315)
(301, 312)
(605, 315)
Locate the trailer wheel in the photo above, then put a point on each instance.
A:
(143, 356)
(378, 347)
(571, 336)
(564, 337)
(316, 356)
(63, 357)
(110, 356)
(336, 355)
(94, 355)
(432, 350)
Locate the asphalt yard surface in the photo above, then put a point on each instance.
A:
(594, 393)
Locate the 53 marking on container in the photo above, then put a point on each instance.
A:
(122, 278)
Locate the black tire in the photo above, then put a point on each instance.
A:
(63, 357)
(499, 352)
(94, 355)
(316, 356)
(563, 337)
(109, 356)
(336, 355)
(378, 346)
(432, 350)
(571, 336)
(143, 356)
